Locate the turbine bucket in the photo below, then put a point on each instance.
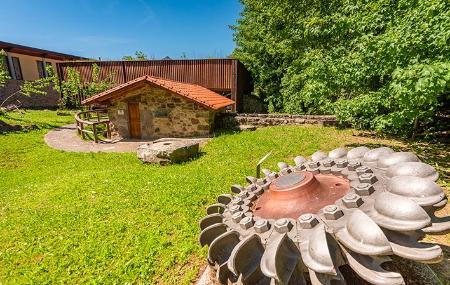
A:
(335, 218)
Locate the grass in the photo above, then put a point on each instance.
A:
(107, 218)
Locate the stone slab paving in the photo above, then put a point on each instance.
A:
(66, 138)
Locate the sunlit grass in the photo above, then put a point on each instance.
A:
(107, 218)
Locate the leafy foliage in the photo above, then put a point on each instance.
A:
(138, 55)
(70, 88)
(41, 85)
(73, 85)
(4, 76)
(378, 64)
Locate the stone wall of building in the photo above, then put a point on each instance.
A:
(234, 120)
(162, 114)
(50, 100)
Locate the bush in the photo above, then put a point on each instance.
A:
(380, 65)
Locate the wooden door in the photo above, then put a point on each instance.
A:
(134, 120)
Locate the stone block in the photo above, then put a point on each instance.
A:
(165, 152)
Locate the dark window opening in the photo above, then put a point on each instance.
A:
(16, 68)
(42, 68)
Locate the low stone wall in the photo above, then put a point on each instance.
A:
(34, 101)
(234, 120)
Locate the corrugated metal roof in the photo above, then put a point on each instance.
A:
(194, 92)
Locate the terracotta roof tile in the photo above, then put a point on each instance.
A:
(199, 94)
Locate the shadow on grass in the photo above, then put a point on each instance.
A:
(22, 124)
(223, 132)
(442, 269)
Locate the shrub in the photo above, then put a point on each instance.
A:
(380, 65)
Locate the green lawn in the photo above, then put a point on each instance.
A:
(107, 218)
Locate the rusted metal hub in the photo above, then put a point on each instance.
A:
(327, 220)
(297, 193)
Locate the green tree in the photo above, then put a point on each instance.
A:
(138, 55)
(4, 76)
(378, 64)
(73, 86)
(70, 88)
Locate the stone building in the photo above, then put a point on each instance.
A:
(150, 107)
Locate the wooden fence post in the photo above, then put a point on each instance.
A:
(108, 131)
(82, 129)
(94, 129)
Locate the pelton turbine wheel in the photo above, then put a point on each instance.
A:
(348, 209)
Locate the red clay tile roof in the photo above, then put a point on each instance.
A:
(199, 94)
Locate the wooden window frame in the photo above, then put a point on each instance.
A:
(17, 68)
(40, 67)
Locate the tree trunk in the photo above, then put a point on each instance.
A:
(416, 125)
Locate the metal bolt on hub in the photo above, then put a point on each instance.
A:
(243, 195)
(259, 191)
(352, 200)
(308, 221)
(314, 170)
(262, 226)
(246, 222)
(352, 165)
(364, 189)
(341, 163)
(363, 169)
(237, 217)
(368, 178)
(235, 208)
(313, 164)
(332, 212)
(273, 176)
(328, 162)
(252, 197)
(325, 170)
(260, 181)
(237, 201)
(285, 171)
(251, 187)
(283, 225)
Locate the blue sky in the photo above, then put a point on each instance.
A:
(111, 29)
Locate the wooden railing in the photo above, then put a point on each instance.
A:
(92, 118)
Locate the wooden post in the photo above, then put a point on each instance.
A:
(82, 130)
(234, 86)
(108, 130)
(78, 128)
(94, 128)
